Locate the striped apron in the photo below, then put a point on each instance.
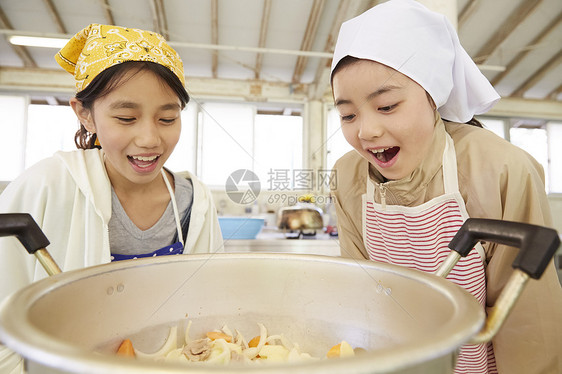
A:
(417, 238)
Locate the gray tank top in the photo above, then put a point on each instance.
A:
(126, 238)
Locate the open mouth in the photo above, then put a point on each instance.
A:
(384, 155)
(143, 161)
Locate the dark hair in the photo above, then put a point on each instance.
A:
(472, 122)
(346, 61)
(109, 79)
(349, 60)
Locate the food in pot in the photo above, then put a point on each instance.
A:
(341, 350)
(224, 347)
(126, 349)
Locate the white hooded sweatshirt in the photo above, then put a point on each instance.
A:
(69, 196)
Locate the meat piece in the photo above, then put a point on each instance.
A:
(197, 350)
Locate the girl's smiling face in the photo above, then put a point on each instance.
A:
(386, 116)
(138, 125)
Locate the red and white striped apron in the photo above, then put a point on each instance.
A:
(417, 237)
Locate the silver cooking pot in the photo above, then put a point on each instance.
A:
(407, 321)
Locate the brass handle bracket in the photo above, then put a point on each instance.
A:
(503, 306)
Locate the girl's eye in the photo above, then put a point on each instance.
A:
(348, 118)
(125, 119)
(387, 108)
(168, 121)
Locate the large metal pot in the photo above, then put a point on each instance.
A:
(408, 321)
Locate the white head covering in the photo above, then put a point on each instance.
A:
(421, 44)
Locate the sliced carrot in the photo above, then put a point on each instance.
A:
(334, 352)
(126, 349)
(214, 335)
(254, 342)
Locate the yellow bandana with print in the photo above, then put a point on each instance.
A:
(98, 47)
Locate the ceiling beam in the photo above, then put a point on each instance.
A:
(347, 9)
(550, 65)
(527, 108)
(308, 38)
(107, 11)
(553, 95)
(57, 82)
(263, 36)
(159, 18)
(466, 12)
(504, 30)
(21, 51)
(537, 40)
(155, 21)
(163, 20)
(215, 36)
(55, 15)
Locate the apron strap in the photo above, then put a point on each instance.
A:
(185, 220)
(370, 188)
(174, 205)
(450, 176)
(451, 182)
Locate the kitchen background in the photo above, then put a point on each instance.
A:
(258, 75)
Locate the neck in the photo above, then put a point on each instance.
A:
(124, 187)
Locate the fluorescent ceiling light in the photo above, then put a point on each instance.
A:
(32, 41)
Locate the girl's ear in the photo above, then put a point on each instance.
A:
(84, 114)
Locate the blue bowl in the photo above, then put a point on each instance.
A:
(240, 227)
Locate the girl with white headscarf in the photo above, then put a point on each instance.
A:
(405, 89)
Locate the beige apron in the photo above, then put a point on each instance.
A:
(417, 237)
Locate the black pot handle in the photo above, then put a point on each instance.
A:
(537, 245)
(23, 227)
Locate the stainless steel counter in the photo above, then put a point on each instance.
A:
(275, 241)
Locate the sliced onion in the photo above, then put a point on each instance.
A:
(186, 337)
(169, 345)
(263, 336)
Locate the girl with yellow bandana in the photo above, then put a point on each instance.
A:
(112, 199)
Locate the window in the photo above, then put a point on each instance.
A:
(219, 138)
(534, 142)
(336, 145)
(12, 135)
(278, 146)
(233, 136)
(497, 126)
(50, 128)
(216, 139)
(226, 142)
(183, 157)
(537, 137)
